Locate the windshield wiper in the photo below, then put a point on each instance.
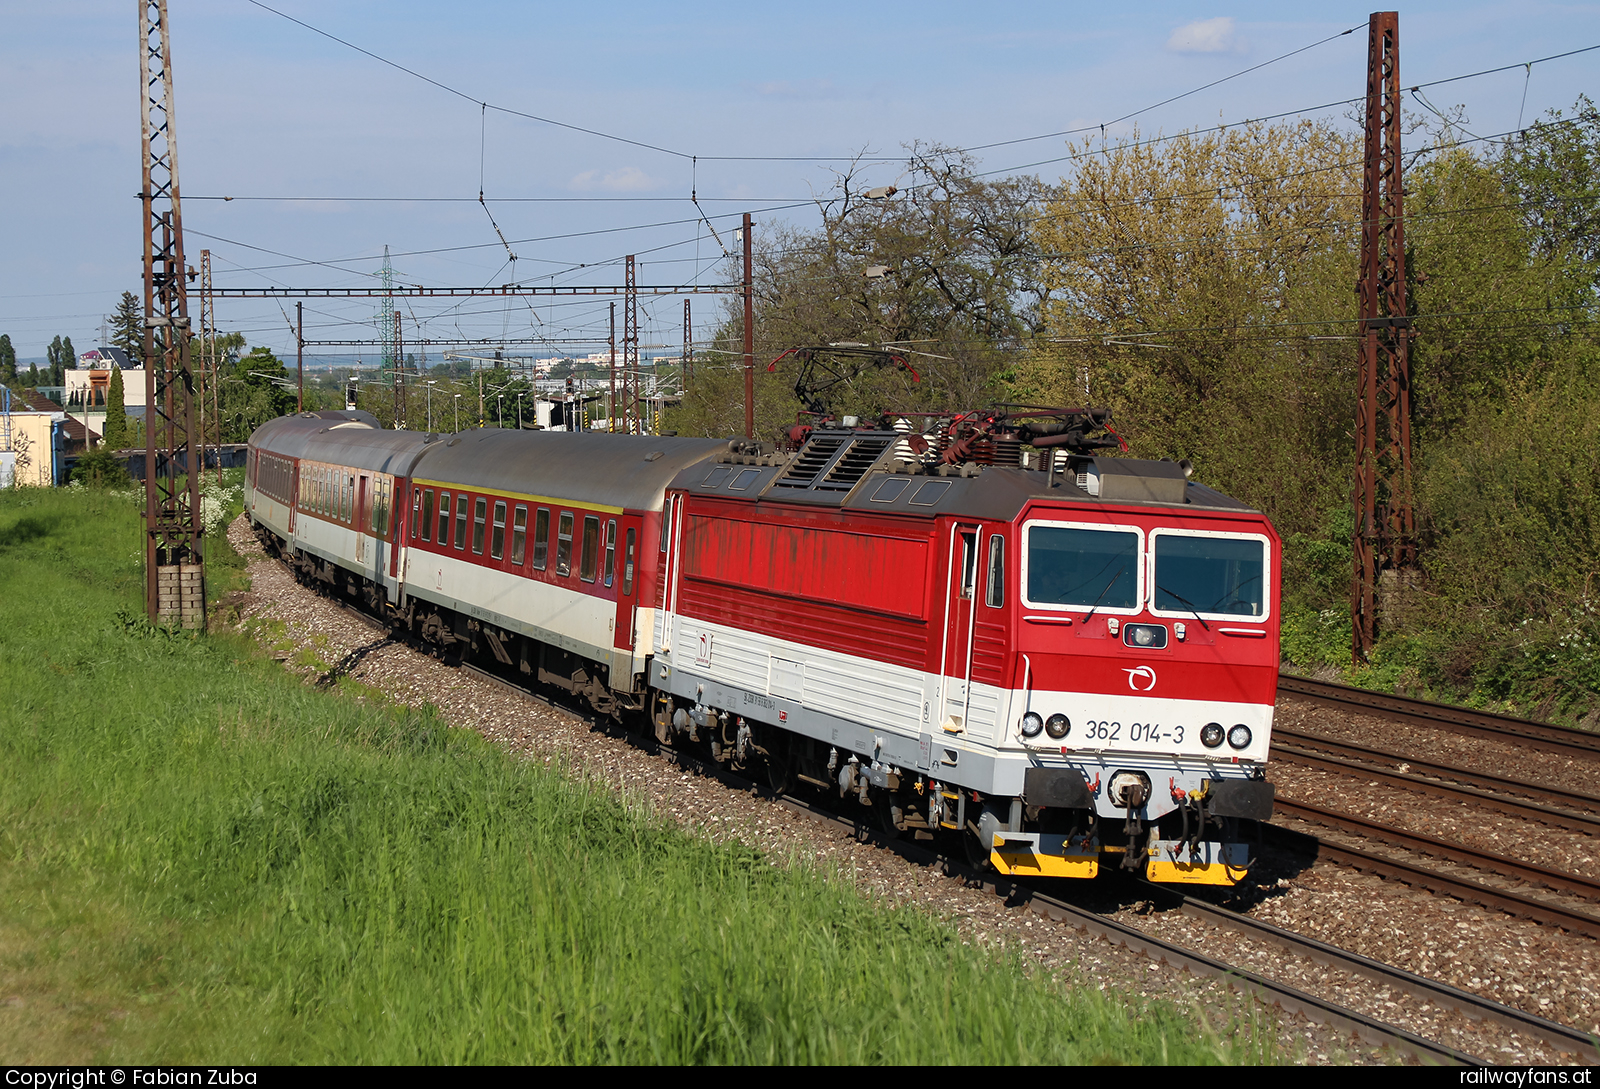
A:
(1185, 601)
(1109, 584)
(1229, 593)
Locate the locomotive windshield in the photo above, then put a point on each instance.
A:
(1088, 567)
(1224, 575)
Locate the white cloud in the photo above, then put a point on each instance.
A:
(630, 179)
(1206, 36)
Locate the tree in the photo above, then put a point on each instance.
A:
(116, 432)
(1553, 168)
(8, 360)
(127, 328)
(255, 389)
(52, 355)
(1201, 287)
(1492, 299)
(944, 268)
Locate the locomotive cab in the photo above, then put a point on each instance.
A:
(1147, 644)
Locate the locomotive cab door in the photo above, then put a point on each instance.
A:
(955, 673)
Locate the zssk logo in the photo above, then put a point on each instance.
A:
(1142, 679)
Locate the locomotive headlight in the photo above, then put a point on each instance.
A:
(1058, 726)
(1239, 736)
(1211, 734)
(1032, 724)
(1153, 636)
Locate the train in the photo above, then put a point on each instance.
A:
(988, 630)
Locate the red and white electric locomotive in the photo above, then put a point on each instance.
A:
(1065, 665)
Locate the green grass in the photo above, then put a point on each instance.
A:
(204, 860)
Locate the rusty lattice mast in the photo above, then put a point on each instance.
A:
(1385, 539)
(174, 565)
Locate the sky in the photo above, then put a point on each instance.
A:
(330, 154)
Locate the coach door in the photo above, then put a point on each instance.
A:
(955, 678)
(621, 542)
(294, 496)
(362, 520)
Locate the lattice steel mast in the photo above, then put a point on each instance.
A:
(631, 379)
(208, 364)
(1385, 533)
(174, 563)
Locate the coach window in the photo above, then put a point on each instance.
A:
(591, 548)
(497, 542)
(461, 522)
(416, 509)
(627, 566)
(519, 535)
(480, 515)
(666, 524)
(995, 587)
(611, 551)
(564, 544)
(444, 519)
(350, 500)
(427, 515)
(541, 538)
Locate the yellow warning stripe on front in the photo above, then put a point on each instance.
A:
(1028, 864)
(1194, 873)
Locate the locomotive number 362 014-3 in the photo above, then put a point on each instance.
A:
(1137, 731)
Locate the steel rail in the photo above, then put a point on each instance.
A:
(1574, 822)
(1571, 798)
(1464, 1002)
(1438, 848)
(1289, 999)
(1557, 739)
(1472, 892)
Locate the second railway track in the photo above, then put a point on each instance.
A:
(1460, 720)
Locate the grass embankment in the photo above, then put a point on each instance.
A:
(203, 859)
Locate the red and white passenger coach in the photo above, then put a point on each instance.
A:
(1067, 666)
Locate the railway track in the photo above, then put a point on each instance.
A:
(1551, 806)
(1460, 720)
(1575, 811)
(1287, 998)
(1272, 992)
(1434, 880)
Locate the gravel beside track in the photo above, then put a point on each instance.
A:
(1516, 963)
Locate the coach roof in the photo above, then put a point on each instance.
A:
(627, 471)
(342, 438)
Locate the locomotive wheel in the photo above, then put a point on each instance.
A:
(977, 853)
(780, 768)
(661, 719)
(883, 804)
